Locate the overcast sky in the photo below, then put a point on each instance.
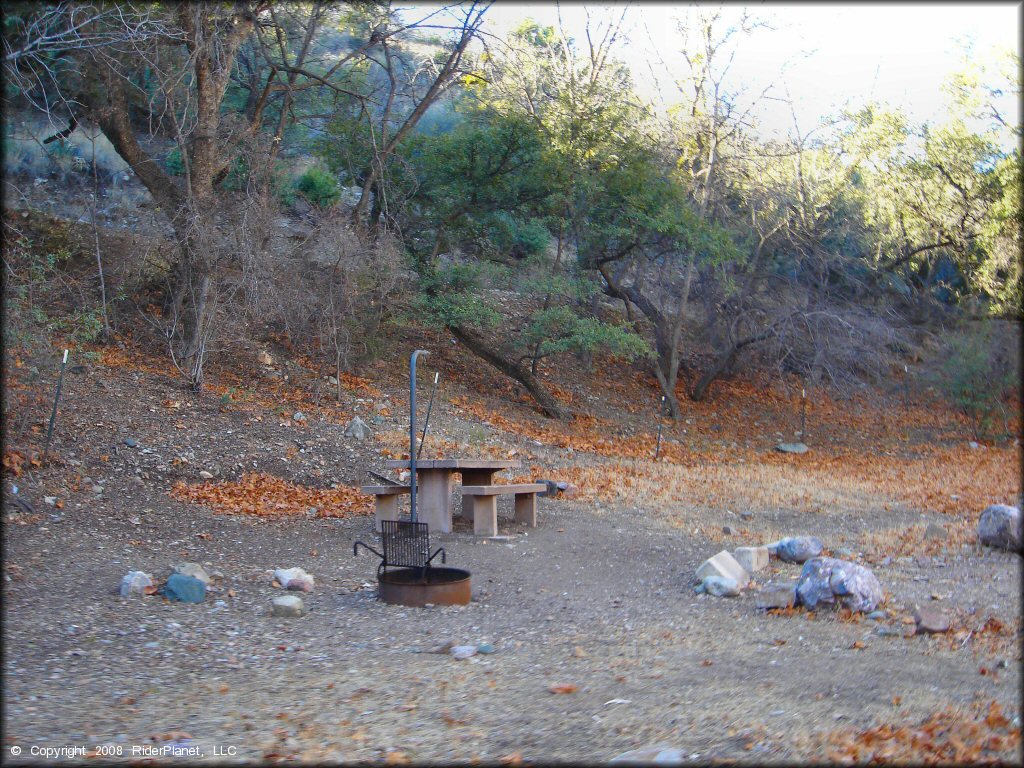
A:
(836, 53)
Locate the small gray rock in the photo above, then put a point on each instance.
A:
(205, 475)
(552, 488)
(720, 586)
(798, 549)
(1000, 526)
(131, 443)
(930, 621)
(135, 583)
(728, 530)
(184, 589)
(485, 648)
(829, 581)
(776, 596)
(358, 429)
(935, 532)
(876, 615)
(792, 448)
(463, 651)
(193, 569)
(298, 416)
(287, 607)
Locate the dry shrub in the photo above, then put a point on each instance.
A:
(331, 292)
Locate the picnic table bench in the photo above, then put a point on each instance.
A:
(385, 502)
(485, 507)
(434, 494)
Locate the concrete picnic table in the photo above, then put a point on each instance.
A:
(434, 485)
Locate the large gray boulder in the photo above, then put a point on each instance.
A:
(798, 549)
(999, 526)
(829, 581)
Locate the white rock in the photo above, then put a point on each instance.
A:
(463, 651)
(287, 606)
(135, 583)
(205, 475)
(719, 586)
(723, 564)
(294, 579)
(657, 755)
(752, 559)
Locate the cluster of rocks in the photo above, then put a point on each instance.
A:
(188, 583)
(823, 580)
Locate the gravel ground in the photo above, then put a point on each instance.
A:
(595, 597)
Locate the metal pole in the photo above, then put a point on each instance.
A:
(803, 415)
(412, 432)
(661, 410)
(56, 398)
(906, 388)
(430, 406)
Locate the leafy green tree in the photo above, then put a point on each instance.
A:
(483, 191)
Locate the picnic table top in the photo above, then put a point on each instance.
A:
(455, 464)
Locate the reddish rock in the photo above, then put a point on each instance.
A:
(930, 621)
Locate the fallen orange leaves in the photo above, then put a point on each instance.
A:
(268, 496)
(950, 736)
(563, 688)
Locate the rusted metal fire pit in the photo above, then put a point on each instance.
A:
(414, 582)
(406, 544)
(434, 586)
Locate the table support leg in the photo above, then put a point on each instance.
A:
(433, 499)
(474, 477)
(386, 509)
(485, 515)
(526, 509)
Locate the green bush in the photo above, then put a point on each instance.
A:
(174, 163)
(319, 187)
(979, 373)
(515, 237)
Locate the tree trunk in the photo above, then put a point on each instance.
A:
(482, 348)
(723, 361)
(700, 389)
(666, 338)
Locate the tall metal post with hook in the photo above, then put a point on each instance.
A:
(412, 432)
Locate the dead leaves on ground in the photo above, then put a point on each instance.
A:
(265, 495)
(982, 736)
